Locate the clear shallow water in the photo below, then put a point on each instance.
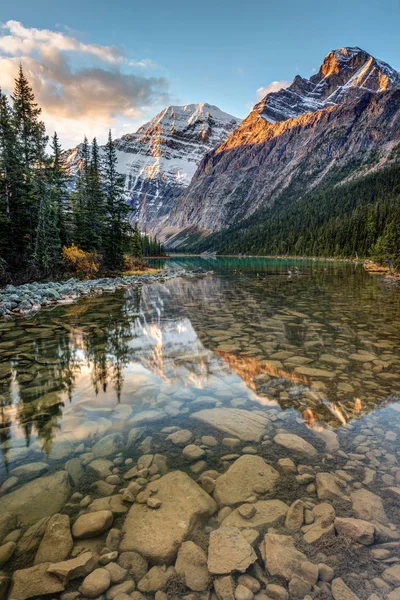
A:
(314, 346)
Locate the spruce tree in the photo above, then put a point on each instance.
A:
(79, 199)
(95, 217)
(117, 227)
(8, 177)
(59, 192)
(136, 243)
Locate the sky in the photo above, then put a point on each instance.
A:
(95, 65)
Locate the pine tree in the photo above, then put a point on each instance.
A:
(79, 199)
(8, 179)
(94, 217)
(59, 192)
(136, 243)
(30, 135)
(116, 234)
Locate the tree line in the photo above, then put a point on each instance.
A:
(39, 212)
(360, 218)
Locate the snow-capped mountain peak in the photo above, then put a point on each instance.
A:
(345, 74)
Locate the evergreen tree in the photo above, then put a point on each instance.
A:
(30, 137)
(117, 228)
(136, 243)
(59, 192)
(79, 199)
(94, 221)
(7, 177)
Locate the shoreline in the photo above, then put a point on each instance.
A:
(29, 298)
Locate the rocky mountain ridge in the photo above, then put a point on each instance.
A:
(346, 114)
(159, 160)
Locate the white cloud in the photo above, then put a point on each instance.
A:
(274, 86)
(82, 88)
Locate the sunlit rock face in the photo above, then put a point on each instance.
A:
(159, 160)
(347, 113)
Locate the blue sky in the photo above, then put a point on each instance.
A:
(180, 52)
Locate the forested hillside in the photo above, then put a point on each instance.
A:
(357, 218)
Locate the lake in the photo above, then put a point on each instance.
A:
(263, 397)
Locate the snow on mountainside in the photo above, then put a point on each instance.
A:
(345, 75)
(346, 113)
(159, 160)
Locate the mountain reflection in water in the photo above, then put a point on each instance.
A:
(324, 344)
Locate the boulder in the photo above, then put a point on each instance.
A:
(96, 583)
(56, 543)
(156, 579)
(368, 506)
(341, 591)
(392, 575)
(180, 437)
(224, 588)
(107, 446)
(191, 563)
(157, 534)
(92, 524)
(295, 444)
(32, 582)
(30, 470)
(295, 516)
(249, 426)
(327, 488)
(229, 551)
(39, 498)
(80, 566)
(8, 522)
(6, 552)
(246, 475)
(193, 452)
(358, 530)
(281, 556)
(267, 513)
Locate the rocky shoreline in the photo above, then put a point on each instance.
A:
(29, 298)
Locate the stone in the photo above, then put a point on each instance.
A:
(229, 551)
(180, 437)
(114, 504)
(281, 556)
(368, 506)
(193, 452)
(312, 372)
(392, 575)
(327, 488)
(4, 583)
(156, 579)
(147, 416)
(101, 467)
(287, 466)
(224, 588)
(8, 522)
(73, 568)
(75, 470)
(325, 572)
(32, 537)
(117, 573)
(243, 593)
(237, 484)
(42, 497)
(268, 513)
(107, 445)
(340, 591)
(92, 524)
(394, 595)
(298, 588)
(113, 539)
(191, 563)
(392, 492)
(95, 583)
(250, 582)
(157, 534)
(56, 543)
(135, 564)
(309, 572)
(32, 582)
(358, 530)
(276, 592)
(209, 440)
(116, 591)
(6, 552)
(295, 516)
(247, 511)
(248, 426)
(318, 532)
(30, 470)
(295, 444)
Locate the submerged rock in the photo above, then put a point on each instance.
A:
(157, 534)
(248, 475)
(92, 524)
(281, 556)
(296, 444)
(191, 563)
(267, 513)
(358, 530)
(56, 543)
(244, 424)
(40, 498)
(35, 581)
(229, 551)
(368, 506)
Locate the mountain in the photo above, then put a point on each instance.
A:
(159, 160)
(339, 125)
